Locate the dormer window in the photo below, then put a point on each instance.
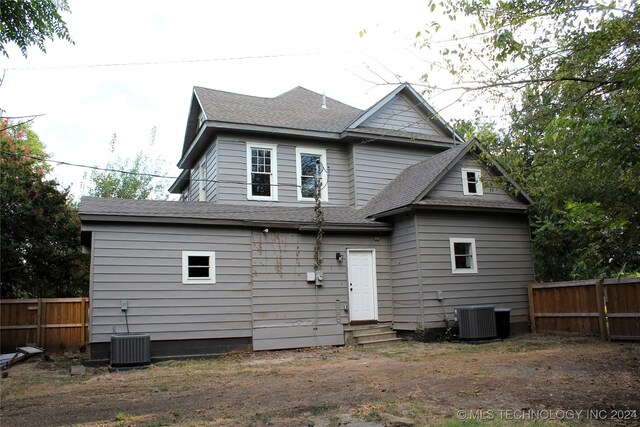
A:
(471, 184)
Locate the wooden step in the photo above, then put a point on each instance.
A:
(380, 342)
(375, 337)
(360, 335)
(353, 328)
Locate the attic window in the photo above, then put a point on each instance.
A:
(198, 267)
(471, 184)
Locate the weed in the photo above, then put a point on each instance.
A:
(260, 418)
(122, 416)
(319, 410)
(373, 417)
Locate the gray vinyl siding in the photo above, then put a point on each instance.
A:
(212, 168)
(143, 265)
(210, 157)
(286, 308)
(232, 171)
(451, 184)
(352, 175)
(404, 274)
(401, 114)
(192, 190)
(376, 165)
(504, 261)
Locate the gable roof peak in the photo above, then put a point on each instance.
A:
(417, 102)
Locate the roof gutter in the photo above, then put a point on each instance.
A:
(214, 126)
(181, 182)
(90, 220)
(443, 143)
(470, 208)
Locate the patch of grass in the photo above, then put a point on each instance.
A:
(373, 417)
(313, 410)
(260, 418)
(122, 416)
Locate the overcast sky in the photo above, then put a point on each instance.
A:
(134, 64)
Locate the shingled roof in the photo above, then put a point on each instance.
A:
(97, 209)
(415, 182)
(298, 108)
(412, 182)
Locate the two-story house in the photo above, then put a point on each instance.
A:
(411, 227)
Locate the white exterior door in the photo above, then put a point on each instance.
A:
(363, 300)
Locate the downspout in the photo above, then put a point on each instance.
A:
(419, 268)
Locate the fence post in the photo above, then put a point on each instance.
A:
(532, 317)
(39, 322)
(602, 315)
(43, 324)
(82, 320)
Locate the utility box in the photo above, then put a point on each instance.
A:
(476, 323)
(503, 322)
(129, 350)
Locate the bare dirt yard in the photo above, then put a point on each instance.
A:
(529, 378)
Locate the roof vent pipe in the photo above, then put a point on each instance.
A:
(324, 101)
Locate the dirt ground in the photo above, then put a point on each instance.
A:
(528, 378)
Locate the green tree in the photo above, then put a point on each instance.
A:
(572, 69)
(40, 248)
(32, 22)
(128, 178)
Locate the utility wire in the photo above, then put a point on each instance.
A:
(142, 174)
(188, 61)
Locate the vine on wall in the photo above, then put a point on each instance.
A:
(319, 219)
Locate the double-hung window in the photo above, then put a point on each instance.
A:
(471, 184)
(311, 169)
(463, 255)
(262, 176)
(202, 181)
(198, 267)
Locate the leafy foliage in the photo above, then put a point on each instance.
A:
(128, 178)
(41, 253)
(574, 139)
(32, 22)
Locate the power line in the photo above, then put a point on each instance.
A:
(141, 174)
(183, 61)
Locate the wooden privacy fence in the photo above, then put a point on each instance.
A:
(609, 308)
(54, 324)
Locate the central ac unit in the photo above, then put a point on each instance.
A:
(130, 350)
(476, 323)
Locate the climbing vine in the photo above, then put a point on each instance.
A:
(319, 219)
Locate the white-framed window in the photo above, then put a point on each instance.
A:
(198, 267)
(262, 172)
(202, 181)
(463, 255)
(311, 164)
(471, 183)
